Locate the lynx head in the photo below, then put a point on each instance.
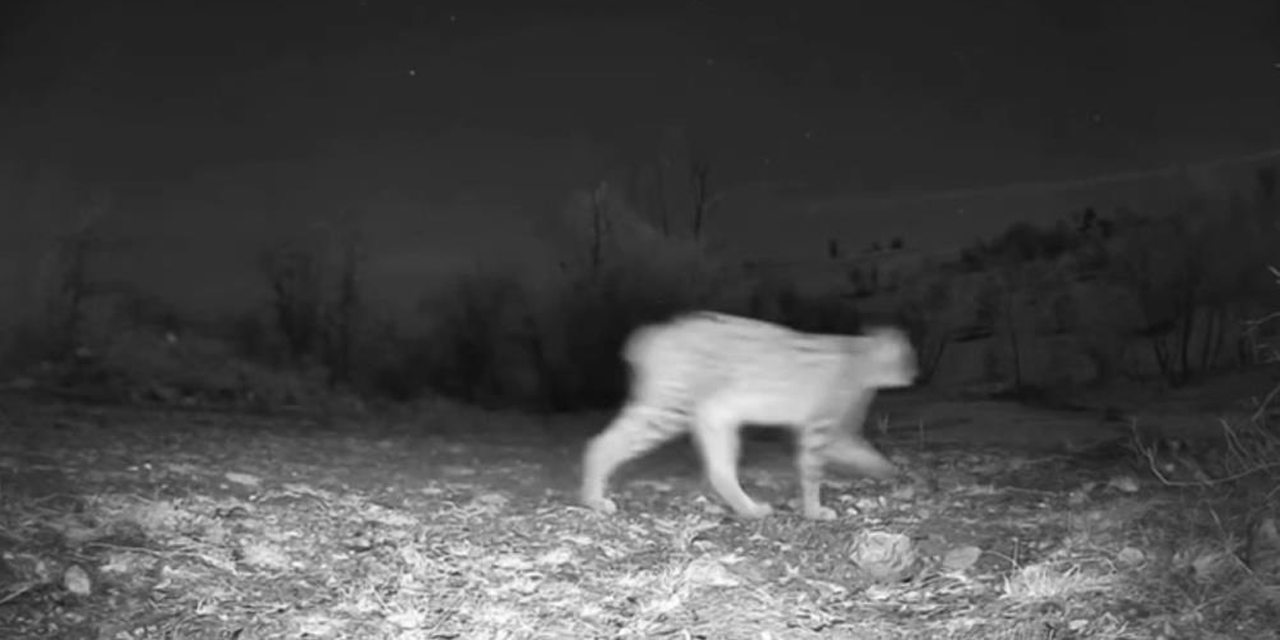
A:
(891, 360)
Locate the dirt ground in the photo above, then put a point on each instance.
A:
(439, 521)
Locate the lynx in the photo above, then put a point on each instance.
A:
(710, 373)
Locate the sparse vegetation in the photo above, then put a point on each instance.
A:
(449, 512)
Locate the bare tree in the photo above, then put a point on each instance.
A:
(699, 183)
(344, 311)
(923, 312)
(997, 309)
(661, 187)
(293, 276)
(597, 227)
(1164, 269)
(1267, 179)
(1009, 307)
(73, 256)
(74, 252)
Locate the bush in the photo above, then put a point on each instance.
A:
(498, 340)
(578, 338)
(27, 344)
(470, 343)
(551, 341)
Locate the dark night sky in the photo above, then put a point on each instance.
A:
(452, 129)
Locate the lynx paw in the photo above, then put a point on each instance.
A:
(600, 504)
(755, 511)
(821, 513)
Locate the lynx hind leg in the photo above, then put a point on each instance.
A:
(636, 430)
(717, 438)
(810, 459)
(856, 454)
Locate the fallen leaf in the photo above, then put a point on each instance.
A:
(513, 561)
(245, 479)
(408, 619)
(706, 571)
(493, 499)
(560, 555)
(266, 556)
(1126, 484)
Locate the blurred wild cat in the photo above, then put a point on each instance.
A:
(710, 373)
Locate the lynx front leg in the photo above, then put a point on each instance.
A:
(846, 448)
(716, 436)
(809, 467)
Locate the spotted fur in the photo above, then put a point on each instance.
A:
(710, 373)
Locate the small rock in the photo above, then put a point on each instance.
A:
(1131, 556)
(904, 493)
(76, 581)
(883, 556)
(961, 558)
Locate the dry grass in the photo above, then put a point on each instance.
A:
(455, 523)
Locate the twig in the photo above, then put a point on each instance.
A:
(18, 591)
(1259, 415)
